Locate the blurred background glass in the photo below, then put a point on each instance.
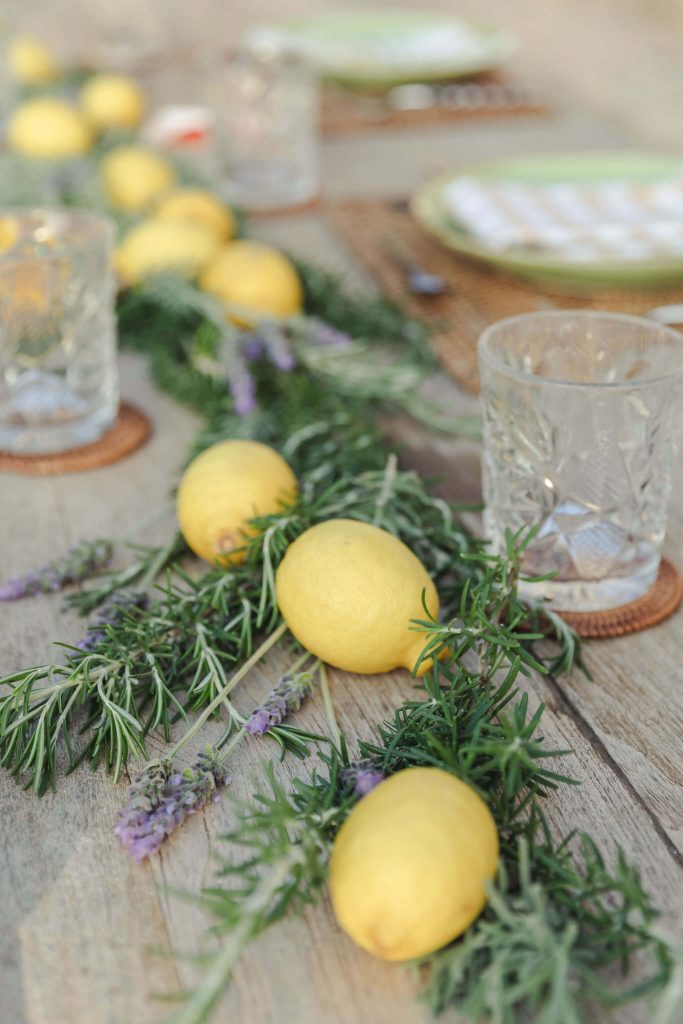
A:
(58, 373)
(266, 126)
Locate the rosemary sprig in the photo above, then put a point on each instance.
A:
(287, 839)
(143, 666)
(150, 562)
(556, 920)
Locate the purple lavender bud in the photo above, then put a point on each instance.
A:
(161, 798)
(367, 780)
(253, 347)
(78, 564)
(323, 334)
(14, 589)
(278, 348)
(111, 613)
(284, 699)
(243, 389)
(259, 722)
(364, 775)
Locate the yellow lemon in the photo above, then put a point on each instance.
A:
(409, 864)
(255, 278)
(112, 101)
(30, 62)
(348, 592)
(133, 177)
(9, 233)
(48, 128)
(223, 488)
(153, 246)
(197, 206)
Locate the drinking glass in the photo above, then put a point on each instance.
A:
(582, 425)
(58, 374)
(265, 106)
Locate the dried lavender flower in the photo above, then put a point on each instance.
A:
(79, 563)
(252, 346)
(272, 342)
(364, 775)
(112, 612)
(242, 388)
(318, 332)
(161, 798)
(284, 699)
(278, 347)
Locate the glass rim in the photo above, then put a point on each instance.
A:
(486, 355)
(92, 218)
(267, 54)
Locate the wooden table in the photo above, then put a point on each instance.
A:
(78, 918)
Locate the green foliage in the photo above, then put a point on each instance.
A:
(557, 917)
(362, 315)
(153, 661)
(558, 920)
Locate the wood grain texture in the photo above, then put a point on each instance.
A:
(78, 919)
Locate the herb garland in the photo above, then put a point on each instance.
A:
(556, 916)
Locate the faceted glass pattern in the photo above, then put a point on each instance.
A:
(582, 424)
(58, 375)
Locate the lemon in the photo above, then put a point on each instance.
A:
(112, 101)
(223, 488)
(256, 278)
(133, 177)
(30, 62)
(409, 864)
(48, 128)
(197, 206)
(9, 233)
(348, 592)
(154, 246)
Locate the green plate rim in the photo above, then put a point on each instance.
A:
(426, 207)
(501, 41)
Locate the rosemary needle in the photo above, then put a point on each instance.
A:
(225, 690)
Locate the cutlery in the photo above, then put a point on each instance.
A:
(459, 96)
(420, 281)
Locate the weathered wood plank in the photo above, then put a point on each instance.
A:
(78, 917)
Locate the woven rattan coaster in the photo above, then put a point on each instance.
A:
(655, 606)
(345, 112)
(383, 235)
(129, 431)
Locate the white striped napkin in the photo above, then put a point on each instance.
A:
(582, 223)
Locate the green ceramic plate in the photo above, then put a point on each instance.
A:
(378, 49)
(429, 209)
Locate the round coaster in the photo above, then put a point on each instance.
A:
(658, 604)
(306, 206)
(129, 431)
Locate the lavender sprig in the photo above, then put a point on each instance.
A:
(318, 332)
(161, 798)
(242, 387)
(79, 563)
(277, 347)
(364, 775)
(285, 698)
(111, 614)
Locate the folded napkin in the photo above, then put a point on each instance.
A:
(582, 223)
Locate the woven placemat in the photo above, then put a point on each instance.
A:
(129, 431)
(655, 606)
(345, 112)
(377, 230)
